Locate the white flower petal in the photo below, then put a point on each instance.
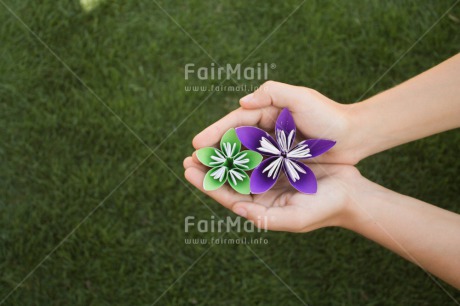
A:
(219, 154)
(274, 167)
(281, 138)
(241, 156)
(219, 159)
(291, 171)
(219, 174)
(268, 147)
(290, 139)
(232, 177)
(299, 151)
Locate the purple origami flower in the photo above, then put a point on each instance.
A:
(282, 155)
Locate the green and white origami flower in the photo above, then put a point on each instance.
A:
(228, 164)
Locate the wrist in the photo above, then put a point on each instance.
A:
(359, 195)
(365, 129)
(356, 133)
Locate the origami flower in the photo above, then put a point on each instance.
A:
(228, 164)
(282, 155)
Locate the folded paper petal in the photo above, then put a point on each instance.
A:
(316, 146)
(260, 180)
(210, 157)
(305, 181)
(247, 160)
(257, 140)
(239, 181)
(213, 180)
(285, 130)
(230, 144)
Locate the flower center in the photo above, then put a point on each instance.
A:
(229, 162)
(284, 154)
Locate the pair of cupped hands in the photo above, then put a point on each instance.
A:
(282, 207)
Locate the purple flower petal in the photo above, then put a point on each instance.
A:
(260, 180)
(285, 130)
(310, 148)
(257, 140)
(300, 176)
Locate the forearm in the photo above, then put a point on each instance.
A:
(424, 105)
(422, 233)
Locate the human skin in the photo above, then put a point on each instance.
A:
(422, 106)
(420, 232)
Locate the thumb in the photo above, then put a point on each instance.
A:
(277, 94)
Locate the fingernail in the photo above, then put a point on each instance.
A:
(248, 98)
(241, 212)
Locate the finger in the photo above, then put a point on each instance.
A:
(264, 118)
(188, 162)
(198, 164)
(285, 218)
(322, 170)
(225, 195)
(193, 162)
(195, 158)
(276, 94)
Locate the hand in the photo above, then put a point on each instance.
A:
(345, 198)
(283, 208)
(315, 115)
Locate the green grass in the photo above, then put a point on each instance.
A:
(63, 152)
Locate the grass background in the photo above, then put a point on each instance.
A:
(63, 152)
